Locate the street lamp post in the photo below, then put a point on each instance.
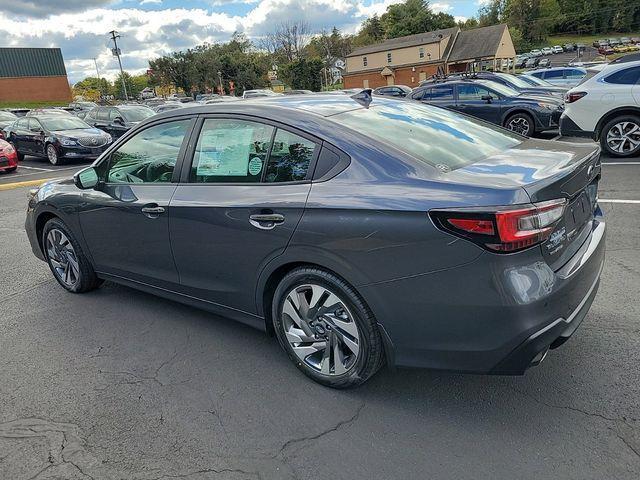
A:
(220, 79)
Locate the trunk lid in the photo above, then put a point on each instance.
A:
(547, 171)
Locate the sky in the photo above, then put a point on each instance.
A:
(151, 28)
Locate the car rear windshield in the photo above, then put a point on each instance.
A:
(136, 114)
(63, 123)
(431, 134)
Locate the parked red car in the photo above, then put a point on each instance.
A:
(606, 50)
(8, 157)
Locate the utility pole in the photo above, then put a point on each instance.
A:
(116, 52)
(95, 62)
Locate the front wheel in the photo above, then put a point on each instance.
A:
(67, 262)
(52, 155)
(521, 123)
(326, 328)
(620, 137)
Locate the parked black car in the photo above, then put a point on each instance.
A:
(56, 137)
(398, 233)
(393, 91)
(495, 103)
(6, 118)
(117, 120)
(512, 81)
(532, 62)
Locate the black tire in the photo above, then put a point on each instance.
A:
(87, 279)
(11, 170)
(18, 154)
(520, 117)
(54, 158)
(371, 352)
(631, 120)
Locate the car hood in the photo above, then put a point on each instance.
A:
(532, 165)
(83, 132)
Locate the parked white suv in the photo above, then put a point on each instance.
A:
(606, 107)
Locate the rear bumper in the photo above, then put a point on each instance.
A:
(568, 128)
(491, 315)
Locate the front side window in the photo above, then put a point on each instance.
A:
(574, 73)
(149, 156)
(627, 76)
(103, 114)
(34, 125)
(23, 123)
(231, 151)
(290, 158)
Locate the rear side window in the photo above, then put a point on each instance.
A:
(574, 73)
(551, 74)
(471, 92)
(290, 158)
(430, 134)
(240, 151)
(628, 76)
(103, 114)
(231, 151)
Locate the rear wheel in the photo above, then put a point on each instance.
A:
(521, 123)
(620, 137)
(66, 260)
(326, 329)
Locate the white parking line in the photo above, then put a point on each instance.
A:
(36, 168)
(608, 200)
(38, 173)
(620, 163)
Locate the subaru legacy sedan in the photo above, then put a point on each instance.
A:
(358, 230)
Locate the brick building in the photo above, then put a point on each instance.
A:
(33, 75)
(411, 59)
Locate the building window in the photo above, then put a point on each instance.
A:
(389, 57)
(421, 52)
(364, 61)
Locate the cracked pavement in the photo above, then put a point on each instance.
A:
(118, 384)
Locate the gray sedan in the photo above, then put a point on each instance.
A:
(359, 231)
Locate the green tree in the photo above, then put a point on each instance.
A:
(413, 16)
(303, 74)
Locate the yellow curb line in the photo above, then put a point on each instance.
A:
(29, 183)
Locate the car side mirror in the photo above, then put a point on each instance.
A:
(487, 98)
(86, 178)
(118, 121)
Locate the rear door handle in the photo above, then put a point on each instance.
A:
(266, 221)
(152, 211)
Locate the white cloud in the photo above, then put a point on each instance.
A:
(149, 2)
(460, 18)
(147, 34)
(440, 7)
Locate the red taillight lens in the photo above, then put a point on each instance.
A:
(574, 96)
(503, 229)
(483, 227)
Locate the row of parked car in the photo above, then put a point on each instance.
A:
(603, 104)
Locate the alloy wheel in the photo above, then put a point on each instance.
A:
(519, 125)
(62, 257)
(624, 137)
(320, 329)
(52, 155)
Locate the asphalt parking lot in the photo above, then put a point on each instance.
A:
(119, 384)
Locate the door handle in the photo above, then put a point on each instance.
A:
(152, 211)
(266, 221)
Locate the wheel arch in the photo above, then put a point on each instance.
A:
(610, 115)
(271, 277)
(41, 220)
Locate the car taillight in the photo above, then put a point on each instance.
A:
(502, 229)
(574, 96)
